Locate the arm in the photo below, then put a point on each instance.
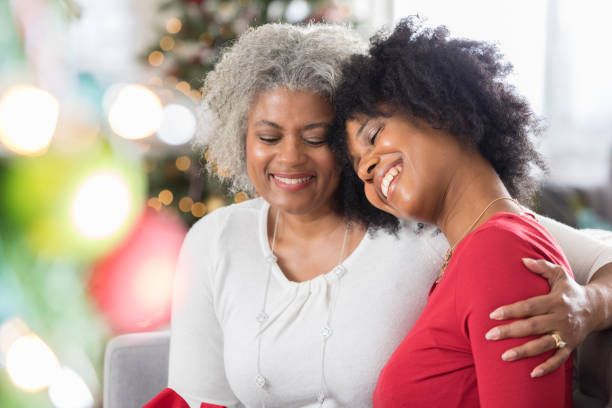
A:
(196, 368)
(480, 290)
(571, 309)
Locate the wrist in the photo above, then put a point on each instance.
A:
(599, 298)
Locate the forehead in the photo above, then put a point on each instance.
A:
(284, 102)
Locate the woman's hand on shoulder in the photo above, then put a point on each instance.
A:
(565, 310)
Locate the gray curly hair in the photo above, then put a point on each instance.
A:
(263, 58)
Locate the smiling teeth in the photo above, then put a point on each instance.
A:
(388, 178)
(292, 180)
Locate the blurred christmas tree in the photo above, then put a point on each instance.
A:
(191, 36)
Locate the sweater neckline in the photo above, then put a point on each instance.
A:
(278, 273)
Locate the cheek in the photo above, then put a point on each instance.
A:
(326, 163)
(372, 196)
(256, 156)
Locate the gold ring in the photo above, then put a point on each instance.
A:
(559, 343)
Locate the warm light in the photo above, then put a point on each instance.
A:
(154, 203)
(185, 204)
(183, 163)
(165, 197)
(184, 87)
(101, 205)
(156, 58)
(69, 390)
(198, 210)
(166, 43)
(174, 25)
(135, 113)
(214, 202)
(195, 95)
(31, 364)
(178, 125)
(240, 197)
(28, 117)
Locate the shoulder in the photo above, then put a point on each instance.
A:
(507, 232)
(488, 263)
(510, 233)
(223, 224)
(491, 256)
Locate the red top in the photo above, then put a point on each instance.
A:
(445, 360)
(168, 398)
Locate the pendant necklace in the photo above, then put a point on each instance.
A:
(325, 333)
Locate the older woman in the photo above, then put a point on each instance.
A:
(437, 136)
(279, 301)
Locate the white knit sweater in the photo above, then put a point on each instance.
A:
(219, 290)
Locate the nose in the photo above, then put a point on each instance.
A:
(366, 167)
(291, 150)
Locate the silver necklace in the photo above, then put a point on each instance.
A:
(326, 331)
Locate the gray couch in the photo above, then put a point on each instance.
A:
(136, 369)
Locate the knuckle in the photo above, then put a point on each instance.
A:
(530, 325)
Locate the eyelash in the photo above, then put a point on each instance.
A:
(374, 135)
(308, 142)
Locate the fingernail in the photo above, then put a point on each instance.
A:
(537, 372)
(509, 355)
(528, 260)
(497, 314)
(493, 334)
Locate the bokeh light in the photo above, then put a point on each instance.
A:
(31, 364)
(214, 202)
(53, 215)
(101, 205)
(174, 25)
(240, 197)
(135, 113)
(185, 204)
(69, 390)
(156, 58)
(178, 125)
(28, 118)
(297, 11)
(183, 163)
(165, 197)
(166, 43)
(132, 285)
(154, 203)
(198, 209)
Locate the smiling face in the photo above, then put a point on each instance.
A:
(406, 165)
(288, 159)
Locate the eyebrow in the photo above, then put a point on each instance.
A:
(268, 123)
(315, 125)
(306, 127)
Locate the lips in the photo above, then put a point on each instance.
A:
(386, 181)
(292, 182)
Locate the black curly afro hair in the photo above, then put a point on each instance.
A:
(452, 84)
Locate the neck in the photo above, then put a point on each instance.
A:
(473, 187)
(305, 226)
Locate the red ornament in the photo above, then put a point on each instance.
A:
(133, 284)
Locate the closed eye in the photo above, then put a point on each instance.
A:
(374, 134)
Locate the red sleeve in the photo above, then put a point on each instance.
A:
(168, 398)
(492, 275)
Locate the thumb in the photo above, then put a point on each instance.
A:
(547, 270)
